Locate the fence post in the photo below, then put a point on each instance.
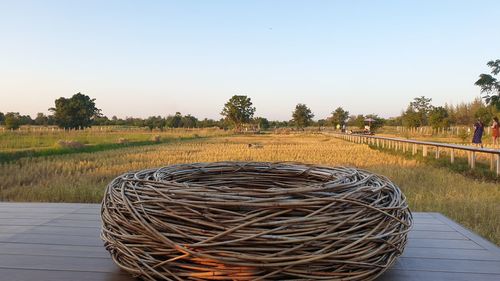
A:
(437, 152)
(492, 162)
(452, 156)
(424, 150)
(498, 165)
(473, 160)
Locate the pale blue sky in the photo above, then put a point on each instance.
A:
(142, 58)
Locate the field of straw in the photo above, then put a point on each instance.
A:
(82, 177)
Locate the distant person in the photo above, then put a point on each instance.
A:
(495, 130)
(478, 132)
(344, 128)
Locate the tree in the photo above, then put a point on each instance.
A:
(12, 120)
(2, 118)
(339, 116)
(189, 121)
(484, 114)
(357, 121)
(490, 86)
(174, 121)
(238, 110)
(76, 112)
(411, 118)
(41, 119)
(302, 116)
(377, 122)
(422, 106)
(262, 123)
(439, 117)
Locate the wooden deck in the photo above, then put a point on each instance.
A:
(55, 242)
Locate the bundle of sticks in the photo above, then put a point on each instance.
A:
(254, 221)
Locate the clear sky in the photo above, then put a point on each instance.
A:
(142, 58)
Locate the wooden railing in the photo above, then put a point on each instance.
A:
(407, 145)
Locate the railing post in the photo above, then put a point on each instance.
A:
(452, 156)
(424, 150)
(437, 152)
(473, 160)
(492, 162)
(414, 150)
(498, 165)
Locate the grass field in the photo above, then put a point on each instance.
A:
(23, 143)
(82, 177)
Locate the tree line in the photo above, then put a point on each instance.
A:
(80, 111)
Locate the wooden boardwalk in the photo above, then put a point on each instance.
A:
(56, 242)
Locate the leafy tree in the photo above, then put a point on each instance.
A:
(238, 110)
(377, 122)
(339, 116)
(2, 118)
(411, 118)
(484, 114)
(189, 121)
(490, 86)
(357, 121)
(12, 120)
(76, 112)
(262, 122)
(302, 116)
(422, 106)
(174, 121)
(41, 119)
(439, 117)
(155, 122)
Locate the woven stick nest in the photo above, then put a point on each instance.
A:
(254, 221)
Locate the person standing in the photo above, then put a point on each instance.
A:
(495, 127)
(478, 133)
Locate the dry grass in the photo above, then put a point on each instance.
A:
(82, 177)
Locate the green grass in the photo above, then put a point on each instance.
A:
(20, 144)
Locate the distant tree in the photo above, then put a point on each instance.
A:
(102, 121)
(278, 124)
(377, 122)
(12, 120)
(439, 117)
(411, 118)
(339, 116)
(238, 110)
(422, 106)
(490, 86)
(394, 121)
(321, 123)
(302, 116)
(76, 112)
(357, 121)
(484, 114)
(189, 121)
(41, 119)
(2, 118)
(155, 122)
(262, 123)
(207, 123)
(174, 121)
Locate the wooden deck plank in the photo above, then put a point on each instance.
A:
(61, 242)
(59, 275)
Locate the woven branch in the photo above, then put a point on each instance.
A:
(254, 221)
